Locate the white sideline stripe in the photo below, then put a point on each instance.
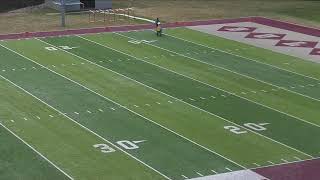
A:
(217, 87)
(286, 89)
(35, 150)
(250, 59)
(191, 104)
(74, 120)
(132, 110)
(235, 175)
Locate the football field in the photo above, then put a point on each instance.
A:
(131, 105)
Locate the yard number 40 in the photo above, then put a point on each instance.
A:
(252, 126)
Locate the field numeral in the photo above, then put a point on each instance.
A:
(104, 148)
(252, 126)
(125, 144)
(62, 47)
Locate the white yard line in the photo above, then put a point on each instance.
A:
(71, 118)
(134, 111)
(212, 85)
(50, 162)
(193, 105)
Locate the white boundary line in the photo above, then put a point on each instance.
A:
(34, 148)
(215, 86)
(70, 117)
(188, 103)
(247, 76)
(138, 113)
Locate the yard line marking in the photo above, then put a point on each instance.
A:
(76, 113)
(259, 62)
(213, 97)
(53, 66)
(256, 164)
(12, 120)
(223, 95)
(38, 117)
(202, 98)
(199, 174)
(243, 93)
(125, 106)
(184, 176)
(135, 105)
(84, 127)
(217, 87)
(113, 109)
(82, 63)
(24, 68)
(264, 91)
(215, 172)
(51, 116)
(100, 110)
(170, 102)
(228, 169)
(147, 104)
(191, 99)
(228, 70)
(270, 162)
(292, 162)
(237, 72)
(88, 111)
(25, 118)
(13, 69)
(158, 103)
(193, 105)
(301, 86)
(36, 151)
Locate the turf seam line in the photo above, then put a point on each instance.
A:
(217, 87)
(243, 57)
(286, 89)
(196, 106)
(181, 136)
(41, 155)
(84, 127)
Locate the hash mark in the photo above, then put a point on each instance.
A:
(256, 164)
(158, 103)
(89, 111)
(270, 162)
(243, 93)
(113, 109)
(25, 118)
(191, 99)
(199, 174)
(223, 95)
(50, 116)
(100, 110)
(170, 102)
(284, 160)
(214, 171)
(147, 104)
(228, 169)
(38, 117)
(184, 176)
(135, 105)
(297, 158)
(253, 91)
(12, 120)
(213, 97)
(202, 98)
(76, 113)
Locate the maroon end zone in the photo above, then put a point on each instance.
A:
(259, 20)
(305, 170)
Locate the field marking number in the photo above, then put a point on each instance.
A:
(128, 145)
(62, 47)
(252, 126)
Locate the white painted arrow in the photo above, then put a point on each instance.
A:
(262, 36)
(236, 29)
(295, 44)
